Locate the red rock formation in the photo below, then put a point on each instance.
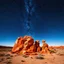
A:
(18, 45)
(37, 45)
(30, 47)
(28, 42)
(26, 45)
(45, 48)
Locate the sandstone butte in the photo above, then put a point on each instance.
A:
(27, 45)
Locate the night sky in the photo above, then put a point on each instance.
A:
(47, 21)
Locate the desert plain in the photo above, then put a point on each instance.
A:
(56, 57)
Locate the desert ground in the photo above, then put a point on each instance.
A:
(6, 57)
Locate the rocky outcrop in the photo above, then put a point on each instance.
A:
(19, 44)
(26, 45)
(37, 45)
(45, 48)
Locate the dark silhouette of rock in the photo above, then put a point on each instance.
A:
(37, 45)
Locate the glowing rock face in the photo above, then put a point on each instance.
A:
(45, 48)
(26, 45)
(18, 45)
(30, 47)
(23, 45)
(28, 42)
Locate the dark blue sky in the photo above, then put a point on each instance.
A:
(47, 21)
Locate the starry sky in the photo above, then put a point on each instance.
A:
(47, 21)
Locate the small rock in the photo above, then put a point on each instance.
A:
(7, 54)
(8, 58)
(31, 57)
(2, 59)
(39, 57)
(25, 56)
(9, 62)
(22, 61)
(11, 56)
(45, 62)
(2, 54)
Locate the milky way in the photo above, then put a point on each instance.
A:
(29, 7)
